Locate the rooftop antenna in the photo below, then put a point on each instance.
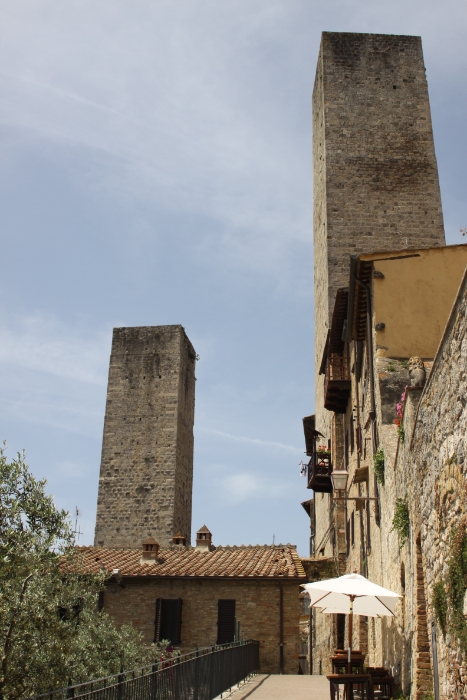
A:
(273, 540)
(77, 532)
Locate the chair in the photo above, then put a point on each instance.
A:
(357, 686)
(382, 682)
(340, 662)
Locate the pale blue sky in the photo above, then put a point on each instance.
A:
(156, 169)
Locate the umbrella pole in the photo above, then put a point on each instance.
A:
(349, 658)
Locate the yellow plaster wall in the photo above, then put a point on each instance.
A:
(415, 298)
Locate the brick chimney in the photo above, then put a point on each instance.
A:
(204, 540)
(150, 549)
(179, 539)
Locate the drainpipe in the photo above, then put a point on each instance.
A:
(281, 630)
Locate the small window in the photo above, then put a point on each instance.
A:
(358, 436)
(225, 621)
(168, 622)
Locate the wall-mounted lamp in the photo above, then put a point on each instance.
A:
(339, 479)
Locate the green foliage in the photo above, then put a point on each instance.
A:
(440, 604)
(48, 615)
(401, 433)
(404, 363)
(448, 599)
(378, 461)
(390, 367)
(401, 520)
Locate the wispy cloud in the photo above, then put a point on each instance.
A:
(242, 486)
(40, 343)
(52, 373)
(253, 441)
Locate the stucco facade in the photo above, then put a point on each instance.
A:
(421, 449)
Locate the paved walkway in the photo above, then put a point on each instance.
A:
(263, 687)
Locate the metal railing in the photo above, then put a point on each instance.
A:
(319, 470)
(201, 675)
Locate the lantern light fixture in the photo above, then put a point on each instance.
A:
(339, 479)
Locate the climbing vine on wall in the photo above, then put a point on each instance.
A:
(448, 598)
(378, 461)
(401, 520)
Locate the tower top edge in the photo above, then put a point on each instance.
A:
(365, 35)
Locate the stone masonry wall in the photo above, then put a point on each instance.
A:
(374, 166)
(437, 491)
(257, 609)
(145, 485)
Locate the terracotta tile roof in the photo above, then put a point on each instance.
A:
(260, 561)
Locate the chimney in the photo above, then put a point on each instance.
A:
(179, 539)
(204, 540)
(150, 549)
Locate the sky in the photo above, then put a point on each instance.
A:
(156, 169)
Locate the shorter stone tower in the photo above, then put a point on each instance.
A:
(146, 475)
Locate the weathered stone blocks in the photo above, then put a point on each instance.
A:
(146, 475)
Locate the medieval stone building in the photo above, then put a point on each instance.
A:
(192, 596)
(206, 595)
(385, 285)
(146, 475)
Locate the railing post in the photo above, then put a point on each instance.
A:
(120, 684)
(196, 675)
(154, 679)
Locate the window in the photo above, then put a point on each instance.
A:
(358, 436)
(225, 621)
(168, 622)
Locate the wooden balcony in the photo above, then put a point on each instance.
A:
(319, 472)
(337, 383)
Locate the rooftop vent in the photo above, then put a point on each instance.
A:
(150, 549)
(179, 539)
(204, 540)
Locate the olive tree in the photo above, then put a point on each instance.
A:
(51, 632)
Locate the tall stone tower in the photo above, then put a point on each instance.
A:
(146, 476)
(374, 166)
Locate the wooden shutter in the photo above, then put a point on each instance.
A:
(169, 619)
(225, 621)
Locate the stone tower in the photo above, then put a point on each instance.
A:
(374, 166)
(146, 475)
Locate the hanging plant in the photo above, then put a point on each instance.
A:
(401, 520)
(400, 413)
(378, 461)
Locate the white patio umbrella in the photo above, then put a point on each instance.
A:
(351, 594)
